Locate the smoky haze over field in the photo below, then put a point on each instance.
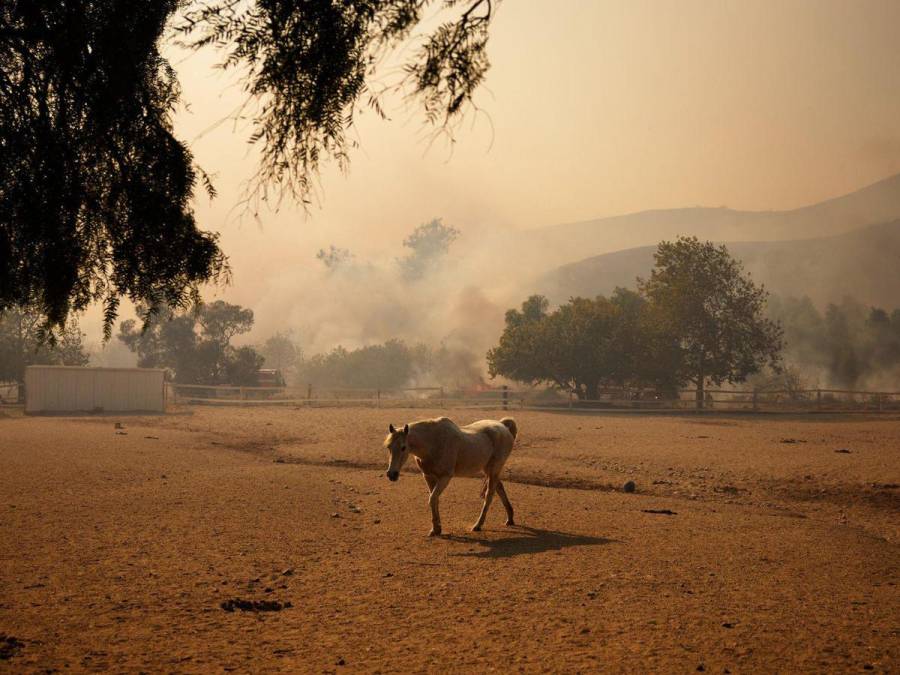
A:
(458, 299)
(634, 108)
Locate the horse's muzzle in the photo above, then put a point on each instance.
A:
(393, 475)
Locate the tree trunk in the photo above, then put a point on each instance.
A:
(700, 393)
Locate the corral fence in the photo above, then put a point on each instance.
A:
(505, 398)
(9, 393)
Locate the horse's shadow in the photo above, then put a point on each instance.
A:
(530, 540)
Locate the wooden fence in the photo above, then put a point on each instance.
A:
(503, 398)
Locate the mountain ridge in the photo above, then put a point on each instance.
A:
(863, 263)
(878, 202)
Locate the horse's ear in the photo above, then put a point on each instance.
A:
(391, 428)
(406, 429)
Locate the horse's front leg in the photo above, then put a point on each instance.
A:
(439, 486)
(488, 496)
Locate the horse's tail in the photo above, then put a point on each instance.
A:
(510, 424)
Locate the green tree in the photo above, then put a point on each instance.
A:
(642, 353)
(703, 299)
(96, 190)
(281, 352)
(220, 321)
(519, 355)
(842, 324)
(428, 244)
(196, 346)
(805, 340)
(242, 367)
(169, 341)
(883, 339)
(22, 344)
(849, 345)
(381, 366)
(577, 341)
(575, 348)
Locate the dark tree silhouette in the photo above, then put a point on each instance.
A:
(95, 190)
(428, 243)
(584, 344)
(196, 346)
(702, 297)
(308, 65)
(21, 345)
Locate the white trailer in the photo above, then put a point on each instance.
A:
(57, 389)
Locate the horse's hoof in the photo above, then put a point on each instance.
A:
(476, 528)
(510, 523)
(435, 532)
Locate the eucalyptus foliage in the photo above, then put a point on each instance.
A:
(95, 188)
(309, 66)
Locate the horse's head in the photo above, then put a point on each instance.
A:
(396, 446)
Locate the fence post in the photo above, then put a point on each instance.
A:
(378, 398)
(505, 397)
(754, 399)
(442, 397)
(818, 399)
(309, 395)
(240, 393)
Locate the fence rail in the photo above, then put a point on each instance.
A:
(503, 398)
(9, 392)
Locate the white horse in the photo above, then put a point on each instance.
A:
(443, 450)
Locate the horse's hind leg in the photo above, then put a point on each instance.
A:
(488, 496)
(501, 492)
(439, 486)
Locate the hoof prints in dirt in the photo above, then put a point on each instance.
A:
(9, 646)
(664, 512)
(255, 605)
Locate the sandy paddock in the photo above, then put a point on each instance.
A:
(119, 546)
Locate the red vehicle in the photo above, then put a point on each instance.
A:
(270, 377)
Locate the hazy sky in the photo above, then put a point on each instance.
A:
(596, 107)
(602, 107)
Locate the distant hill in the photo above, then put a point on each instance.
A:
(864, 263)
(877, 203)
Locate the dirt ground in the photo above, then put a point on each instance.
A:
(752, 544)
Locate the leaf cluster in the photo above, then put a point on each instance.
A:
(585, 343)
(23, 343)
(308, 67)
(196, 346)
(95, 189)
(717, 313)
